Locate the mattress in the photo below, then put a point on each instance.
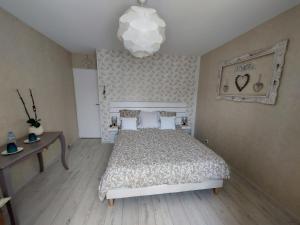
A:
(150, 157)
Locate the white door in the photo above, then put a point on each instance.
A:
(87, 103)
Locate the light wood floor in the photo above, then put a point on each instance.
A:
(59, 197)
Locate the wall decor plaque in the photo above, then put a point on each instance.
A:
(253, 77)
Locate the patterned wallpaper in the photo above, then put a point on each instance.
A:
(159, 78)
(84, 61)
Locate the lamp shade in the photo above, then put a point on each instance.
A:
(142, 31)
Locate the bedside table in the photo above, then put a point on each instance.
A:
(185, 129)
(113, 132)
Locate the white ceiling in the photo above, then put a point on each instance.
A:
(193, 26)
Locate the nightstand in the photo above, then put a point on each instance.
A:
(185, 129)
(113, 132)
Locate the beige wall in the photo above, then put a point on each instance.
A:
(30, 60)
(261, 141)
(84, 61)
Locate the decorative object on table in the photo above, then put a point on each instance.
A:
(5, 152)
(35, 125)
(258, 86)
(184, 121)
(11, 143)
(32, 138)
(241, 81)
(27, 141)
(11, 147)
(263, 66)
(36, 130)
(141, 30)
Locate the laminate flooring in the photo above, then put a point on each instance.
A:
(60, 197)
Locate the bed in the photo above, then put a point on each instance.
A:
(154, 161)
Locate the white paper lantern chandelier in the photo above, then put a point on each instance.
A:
(141, 30)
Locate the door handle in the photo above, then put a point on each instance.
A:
(97, 104)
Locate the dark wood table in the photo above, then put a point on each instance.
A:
(29, 149)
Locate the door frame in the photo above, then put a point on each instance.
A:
(99, 111)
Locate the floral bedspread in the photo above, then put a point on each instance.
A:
(151, 157)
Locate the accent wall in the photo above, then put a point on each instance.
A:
(159, 78)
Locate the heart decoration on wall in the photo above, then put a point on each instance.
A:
(241, 81)
(258, 86)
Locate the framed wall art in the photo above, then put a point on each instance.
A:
(253, 77)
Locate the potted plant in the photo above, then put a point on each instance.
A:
(35, 125)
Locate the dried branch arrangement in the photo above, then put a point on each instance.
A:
(34, 122)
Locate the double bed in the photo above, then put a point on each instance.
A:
(155, 161)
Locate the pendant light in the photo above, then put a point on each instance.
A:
(141, 30)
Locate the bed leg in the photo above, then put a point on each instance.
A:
(110, 203)
(216, 190)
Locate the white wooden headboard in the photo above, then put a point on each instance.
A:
(178, 107)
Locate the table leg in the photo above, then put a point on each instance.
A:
(63, 150)
(7, 191)
(2, 222)
(41, 161)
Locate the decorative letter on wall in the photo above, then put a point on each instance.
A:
(253, 77)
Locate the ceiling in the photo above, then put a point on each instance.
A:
(193, 26)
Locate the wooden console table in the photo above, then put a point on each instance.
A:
(29, 149)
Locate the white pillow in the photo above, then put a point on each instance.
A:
(167, 123)
(128, 123)
(149, 120)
